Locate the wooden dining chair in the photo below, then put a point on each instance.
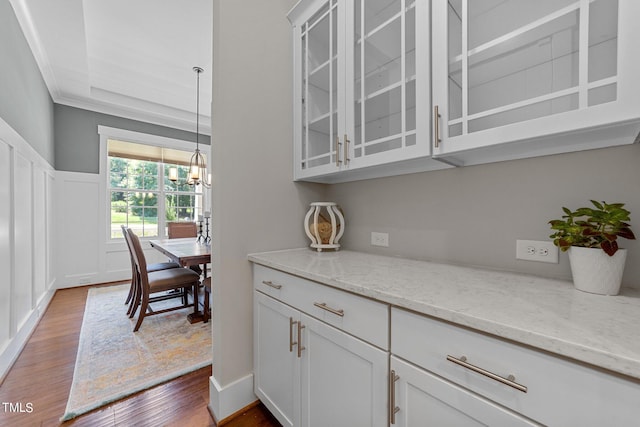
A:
(207, 295)
(182, 229)
(159, 281)
(133, 298)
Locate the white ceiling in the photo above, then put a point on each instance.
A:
(130, 58)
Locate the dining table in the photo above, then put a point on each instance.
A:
(187, 252)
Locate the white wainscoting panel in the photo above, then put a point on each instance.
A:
(39, 235)
(6, 236)
(27, 277)
(79, 248)
(23, 239)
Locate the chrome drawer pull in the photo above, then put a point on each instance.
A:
(436, 126)
(510, 380)
(270, 283)
(324, 306)
(393, 409)
(300, 346)
(291, 341)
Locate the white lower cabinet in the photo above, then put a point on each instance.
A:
(312, 365)
(423, 399)
(547, 389)
(277, 372)
(343, 379)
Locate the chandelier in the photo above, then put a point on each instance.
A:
(197, 165)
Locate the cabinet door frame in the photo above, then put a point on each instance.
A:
(299, 21)
(287, 359)
(422, 146)
(623, 111)
(346, 94)
(377, 358)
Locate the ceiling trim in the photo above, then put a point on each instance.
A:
(135, 109)
(134, 114)
(39, 54)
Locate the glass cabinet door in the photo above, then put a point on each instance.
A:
(516, 60)
(320, 104)
(384, 77)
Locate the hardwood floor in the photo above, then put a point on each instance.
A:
(37, 386)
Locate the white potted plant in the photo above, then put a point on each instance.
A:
(590, 237)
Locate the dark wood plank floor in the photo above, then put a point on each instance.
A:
(42, 375)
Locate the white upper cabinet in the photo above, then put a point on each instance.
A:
(516, 78)
(361, 89)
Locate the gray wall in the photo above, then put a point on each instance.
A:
(25, 103)
(78, 143)
(257, 205)
(474, 215)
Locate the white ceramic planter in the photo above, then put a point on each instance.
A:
(596, 272)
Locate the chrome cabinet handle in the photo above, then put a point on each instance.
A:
(338, 161)
(270, 283)
(393, 409)
(324, 306)
(510, 380)
(436, 126)
(346, 149)
(291, 342)
(300, 346)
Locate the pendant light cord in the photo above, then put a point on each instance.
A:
(198, 70)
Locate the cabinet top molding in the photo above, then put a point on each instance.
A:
(543, 313)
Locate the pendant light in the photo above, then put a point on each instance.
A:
(197, 174)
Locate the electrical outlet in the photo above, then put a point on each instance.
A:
(534, 250)
(379, 239)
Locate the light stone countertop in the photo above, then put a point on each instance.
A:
(544, 313)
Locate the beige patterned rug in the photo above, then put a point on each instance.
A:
(114, 362)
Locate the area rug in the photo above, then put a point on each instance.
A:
(114, 362)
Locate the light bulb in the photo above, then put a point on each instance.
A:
(195, 173)
(173, 174)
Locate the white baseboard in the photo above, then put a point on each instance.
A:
(11, 352)
(227, 400)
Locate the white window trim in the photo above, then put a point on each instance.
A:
(106, 133)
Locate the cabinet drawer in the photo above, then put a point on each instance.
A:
(359, 316)
(558, 391)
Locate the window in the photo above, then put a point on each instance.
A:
(140, 194)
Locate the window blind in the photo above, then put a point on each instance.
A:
(132, 150)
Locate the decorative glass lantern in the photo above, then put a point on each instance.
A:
(324, 225)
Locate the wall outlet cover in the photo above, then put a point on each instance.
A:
(535, 250)
(379, 239)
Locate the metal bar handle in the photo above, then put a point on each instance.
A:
(436, 126)
(346, 149)
(291, 342)
(393, 409)
(324, 306)
(273, 285)
(510, 380)
(338, 161)
(300, 346)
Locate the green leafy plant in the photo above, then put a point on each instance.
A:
(597, 227)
